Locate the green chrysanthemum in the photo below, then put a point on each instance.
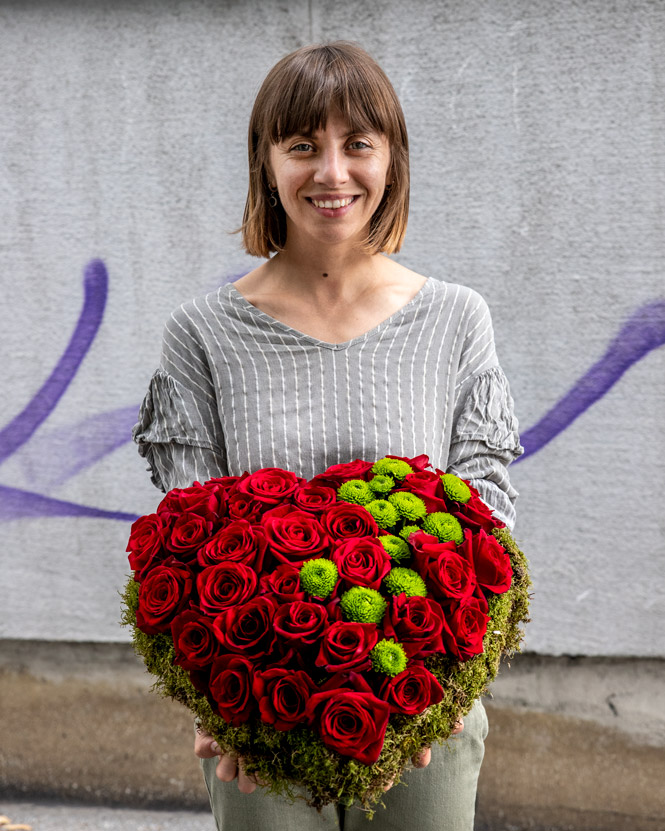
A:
(392, 467)
(444, 526)
(455, 488)
(318, 577)
(388, 657)
(396, 547)
(409, 506)
(363, 605)
(406, 532)
(405, 580)
(385, 515)
(381, 483)
(356, 491)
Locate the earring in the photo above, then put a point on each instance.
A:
(272, 199)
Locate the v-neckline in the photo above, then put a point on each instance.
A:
(275, 323)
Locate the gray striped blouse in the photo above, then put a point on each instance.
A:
(238, 390)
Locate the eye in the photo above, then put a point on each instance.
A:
(302, 147)
(358, 144)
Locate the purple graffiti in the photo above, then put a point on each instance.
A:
(16, 503)
(643, 332)
(79, 446)
(20, 428)
(19, 504)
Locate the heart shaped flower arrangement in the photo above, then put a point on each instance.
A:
(326, 631)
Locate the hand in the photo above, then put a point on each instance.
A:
(228, 767)
(422, 759)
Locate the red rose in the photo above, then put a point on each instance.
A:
(283, 583)
(466, 627)
(492, 564)
(223, 484)
(314, 498)
(350, 721)
(446, 573)
(343, 520)
(300, 621)
(231, 688)
(269, 486)
(295, 537)
(361, 562)
(224, 585)
(188, 533)
(247, 628)
(412, 691)
(425, 483)
(197, 499)
(475, 513)
(194, 640)
(416, 623)
(146, 540)
(162, 595)
(336, 474)
(347, 646)
(238, 541)
(243, 506)
(283, 695)
(418, 463)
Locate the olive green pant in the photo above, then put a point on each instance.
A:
(440, 797)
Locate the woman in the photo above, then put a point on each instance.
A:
(328, 352)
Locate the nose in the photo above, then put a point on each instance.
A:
(331, 169)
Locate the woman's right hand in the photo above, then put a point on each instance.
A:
(228, 767)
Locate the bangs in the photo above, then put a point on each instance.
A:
(323, 82)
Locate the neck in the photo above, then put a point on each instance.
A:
(328, 274)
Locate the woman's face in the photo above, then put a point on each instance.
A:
(330, 183)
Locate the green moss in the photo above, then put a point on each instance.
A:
(405, 580)
(444, 526)
(356, 491)
(396, 547)
(318, 577)
(298, 757)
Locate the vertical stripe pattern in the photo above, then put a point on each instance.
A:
(238, 390)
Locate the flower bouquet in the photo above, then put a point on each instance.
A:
(326, 631)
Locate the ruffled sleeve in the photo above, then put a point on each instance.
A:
(485, 440)
(178, 434)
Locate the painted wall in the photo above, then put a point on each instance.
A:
(538, 161)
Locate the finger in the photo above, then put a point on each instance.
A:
(246, 784)
(389, 785)
(227, 769)
(205, 747)
(459, 726)
(422, 759)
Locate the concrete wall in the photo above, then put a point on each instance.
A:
(538, 138)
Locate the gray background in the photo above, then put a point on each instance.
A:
(538, 178)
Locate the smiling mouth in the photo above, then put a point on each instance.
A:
(332, 204)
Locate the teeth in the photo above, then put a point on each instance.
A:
(335, 203)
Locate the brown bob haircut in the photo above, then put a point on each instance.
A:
(297, 96)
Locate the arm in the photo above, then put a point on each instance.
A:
(484, 439)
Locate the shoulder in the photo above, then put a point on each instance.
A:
(462, 302)
(192, 317)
